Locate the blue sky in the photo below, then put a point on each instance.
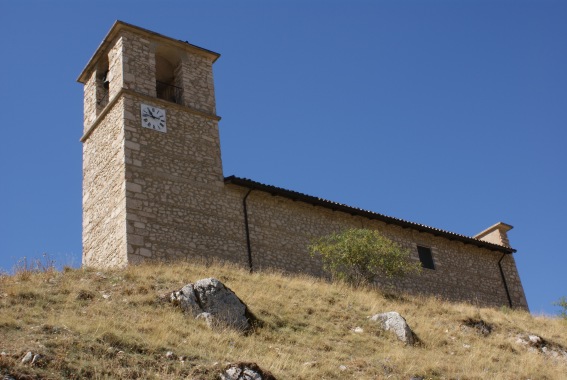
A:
(447, 113)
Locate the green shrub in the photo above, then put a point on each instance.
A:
(359, 256)
(562, 303)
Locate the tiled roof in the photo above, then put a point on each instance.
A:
(296, 196)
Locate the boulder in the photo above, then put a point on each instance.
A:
(395, 322)
(245, 371)
(186, 299)
(211, 300)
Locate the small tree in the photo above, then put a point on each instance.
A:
(562, 303)
(358, 256)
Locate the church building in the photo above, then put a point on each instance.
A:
(154, 188)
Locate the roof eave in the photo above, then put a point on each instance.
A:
(119, 25)
(296, 196)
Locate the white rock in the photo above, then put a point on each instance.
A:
(187, 300)
(28, 357)
(395, 322)
(242, 371)
(36, 359)
(211, 300)
(221, 303)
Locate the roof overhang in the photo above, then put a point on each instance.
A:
(120, 26)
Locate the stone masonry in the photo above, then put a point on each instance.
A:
(149, 195)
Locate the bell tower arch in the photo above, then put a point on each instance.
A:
(151, 150)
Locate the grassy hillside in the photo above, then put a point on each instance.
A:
(112, 325)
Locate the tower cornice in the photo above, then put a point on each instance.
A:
(148, 98)
(121, 26)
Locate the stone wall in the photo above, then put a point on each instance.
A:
(175, 190)
(104, 203)
(281, 229)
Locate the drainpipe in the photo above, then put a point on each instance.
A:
(248, 244)
(504, 280)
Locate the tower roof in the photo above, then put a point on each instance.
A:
(121, 25)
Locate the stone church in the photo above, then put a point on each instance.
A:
(154, 188)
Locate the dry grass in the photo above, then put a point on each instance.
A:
(112, 325)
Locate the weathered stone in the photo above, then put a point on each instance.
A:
(187, 300)
(28, 357)
(245, 371)
(170, 355)
(395, 322)
(210, 300)
(221, 303)
(310, 364)
(537, 344)
(36, 359)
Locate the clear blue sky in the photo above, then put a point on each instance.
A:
(447, 113)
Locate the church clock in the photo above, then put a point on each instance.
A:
(153, 118)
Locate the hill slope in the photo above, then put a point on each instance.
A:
(112, 325)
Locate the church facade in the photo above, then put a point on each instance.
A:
(154, 188)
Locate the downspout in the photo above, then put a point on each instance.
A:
(248, 244)
(504, 280)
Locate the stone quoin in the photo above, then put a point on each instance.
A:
(154, 188)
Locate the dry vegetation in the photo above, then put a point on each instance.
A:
(112, 325)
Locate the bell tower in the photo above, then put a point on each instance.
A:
(151, 150)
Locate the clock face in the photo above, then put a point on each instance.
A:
(153, 118)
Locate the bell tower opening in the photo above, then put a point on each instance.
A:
(169, 82)
(102, 84)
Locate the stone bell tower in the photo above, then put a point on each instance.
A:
(151, 151)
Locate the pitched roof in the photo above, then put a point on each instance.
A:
(296, 196)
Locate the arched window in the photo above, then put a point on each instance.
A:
(167, 77)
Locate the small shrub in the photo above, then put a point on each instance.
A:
(562, 303)
(358, 256)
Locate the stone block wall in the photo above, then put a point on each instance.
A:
(174, 188)
(281, 229)
(104, 203)
(198, 83)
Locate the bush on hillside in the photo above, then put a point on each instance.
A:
(359, 256)
(562, 303)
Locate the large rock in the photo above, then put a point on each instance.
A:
(186, 299)
(211, 300)
(245, 371)
(395, 322)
